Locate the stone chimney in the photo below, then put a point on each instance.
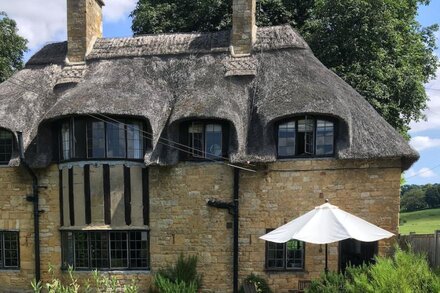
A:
(84, 26)
(244, 29)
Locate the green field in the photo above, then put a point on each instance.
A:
(421, 222)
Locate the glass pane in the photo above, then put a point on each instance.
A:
(294, 254)
(135, 140)
(118, 250)
(195, 132)
(305, 136)
(99, 250)
(286, 139)
(213, 148)
(10, 242)
(138, 249)
(96, 139)
(115, 140)
(5, 146)
(324, 137)
(65, 140)
(275, 255)
(67, 249)
(79, 138)
(81, 250)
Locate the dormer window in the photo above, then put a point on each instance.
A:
(6, 144)
(205, 140)
(306, 136)
(87, 138)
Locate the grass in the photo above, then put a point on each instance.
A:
(421, 222)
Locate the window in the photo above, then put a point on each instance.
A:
(205, 140)
(6, 139)
(105, 250)
(9, 250)
(306, 136)
(87, 138)
(285, 256)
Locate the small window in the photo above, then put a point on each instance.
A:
(305, 137)
(9, 250)
(205, 140)
(86, 138)
(285, 256)
(105, 250)
(6, 143)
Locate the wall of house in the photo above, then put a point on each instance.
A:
(181, 221)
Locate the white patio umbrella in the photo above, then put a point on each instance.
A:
(327, 224)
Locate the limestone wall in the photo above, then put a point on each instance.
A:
(181, 221)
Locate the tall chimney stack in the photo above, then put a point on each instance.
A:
(84, 26)
(244, 29)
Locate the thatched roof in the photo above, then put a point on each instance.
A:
(171, 77)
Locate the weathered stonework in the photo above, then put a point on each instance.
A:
(244, 28)
(181, 221)
(84, 25)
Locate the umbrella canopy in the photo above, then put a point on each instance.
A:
(327, 224)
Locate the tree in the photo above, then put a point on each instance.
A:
(432, 196)
(377, 46)
(12, 47)
(413, 200)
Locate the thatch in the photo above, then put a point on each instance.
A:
(169, 78)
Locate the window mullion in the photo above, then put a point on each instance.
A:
(128, 250)
(109, 251)
(2, 264)
(89, 250)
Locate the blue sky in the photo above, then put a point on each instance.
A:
(44, 21)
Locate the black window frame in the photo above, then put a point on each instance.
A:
(284, 268)
(186, 149)
(11, 146)
(3, 265)
(71, 259)
(315, 119)
(146, 142)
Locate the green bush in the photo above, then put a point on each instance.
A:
(98, 283)
(405, 272)
(260, 284)
(165, 285)
(182, 277)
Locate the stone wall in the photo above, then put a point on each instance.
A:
(181, 221)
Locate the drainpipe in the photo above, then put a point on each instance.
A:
(236, 219)
(32, 198)
(233, 210)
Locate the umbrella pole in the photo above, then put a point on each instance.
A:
(326, 259)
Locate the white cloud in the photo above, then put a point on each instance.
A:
(433, 112)
(423, 172)
(44, 21)
(421, 143)
(115, 10)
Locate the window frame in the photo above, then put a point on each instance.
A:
(284, 268)
(315, 119)
(88, 122)
(12, 146)
(184, 140)
(65, 265)
(2, 250)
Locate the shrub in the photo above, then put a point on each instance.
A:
(165, 285)
(182, 277)
(404, 272)
(260, 284)
(99, 283)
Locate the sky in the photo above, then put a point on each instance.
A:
(44, 21)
